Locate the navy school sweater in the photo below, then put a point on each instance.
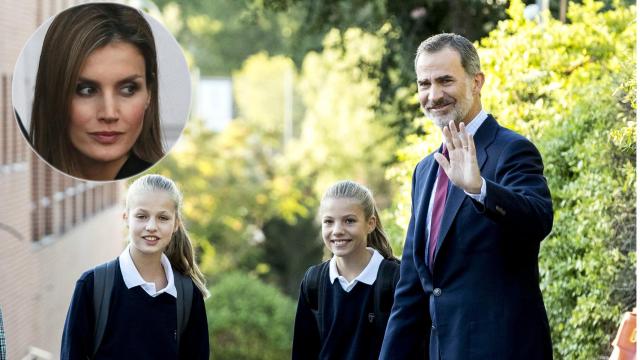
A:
(138, 327)
(348, 332)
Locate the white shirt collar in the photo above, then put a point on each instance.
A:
(132, 277)
(477, 121)
(367, 276)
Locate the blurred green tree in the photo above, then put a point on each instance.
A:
(251, 193)
(222, 34)
(340, 136)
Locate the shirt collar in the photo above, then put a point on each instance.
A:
(367, 276)
(132, 277)
(477, 121)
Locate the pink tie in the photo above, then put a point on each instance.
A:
(439, 200)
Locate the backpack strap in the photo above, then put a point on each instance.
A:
(103, 276)
(383, 291)
(314, 284)
(184, 288)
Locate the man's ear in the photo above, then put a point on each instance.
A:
(478, 81)
(125, 217)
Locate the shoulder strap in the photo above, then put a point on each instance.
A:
(323, 283)
(315, 286)
(310, 284)
(103, 276)
(184, 288)
(383, 291)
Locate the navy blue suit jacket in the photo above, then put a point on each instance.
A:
(482, 299)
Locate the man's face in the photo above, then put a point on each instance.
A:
(445, 90)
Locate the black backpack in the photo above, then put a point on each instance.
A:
(103, 278)
(316, 281)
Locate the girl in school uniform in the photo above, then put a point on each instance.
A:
(142, 320)
(344, 303)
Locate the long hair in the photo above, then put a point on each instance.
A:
(180, 250)
(72, 36)
(346, 189)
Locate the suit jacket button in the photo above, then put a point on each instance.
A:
(437, 292)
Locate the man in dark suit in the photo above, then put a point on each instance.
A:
(469, 277)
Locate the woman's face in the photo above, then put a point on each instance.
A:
(108, 105)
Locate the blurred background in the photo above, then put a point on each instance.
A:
(292, 95)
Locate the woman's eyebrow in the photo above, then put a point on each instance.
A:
(130, 78)
(82, 79)
(121, 81)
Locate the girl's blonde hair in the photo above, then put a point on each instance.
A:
(346, 189)
(180, 250)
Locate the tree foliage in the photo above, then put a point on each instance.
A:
(574, 96)
(251, 193)
(340, 137)
(222, 34)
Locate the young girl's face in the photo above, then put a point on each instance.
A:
(344, 226)
(151, 220)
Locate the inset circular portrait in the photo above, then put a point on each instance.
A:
(101, 91)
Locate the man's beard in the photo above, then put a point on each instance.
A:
(460, 109)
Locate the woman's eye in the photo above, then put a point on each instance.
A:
(85, 90)
(129, 89)
(350, 221)
(140, 216)
(328, 222)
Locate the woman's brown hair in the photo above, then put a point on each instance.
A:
(180, 249)
(346, 189)
(72, 36)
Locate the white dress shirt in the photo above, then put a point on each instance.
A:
(367, 276)
(133, 278)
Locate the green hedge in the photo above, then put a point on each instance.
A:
(249, 319)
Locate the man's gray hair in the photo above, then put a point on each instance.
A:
(464, 47)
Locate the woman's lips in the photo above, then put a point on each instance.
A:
(106, 137)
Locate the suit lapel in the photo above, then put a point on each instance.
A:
(483, 138)
(421, 240)
(432, 170)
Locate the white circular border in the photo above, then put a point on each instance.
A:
(174, 79)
